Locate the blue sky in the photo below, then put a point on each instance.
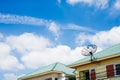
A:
(37, 33)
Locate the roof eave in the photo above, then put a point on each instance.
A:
(40, 74)
(97, 60)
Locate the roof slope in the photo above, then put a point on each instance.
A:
(61, 67)
(52, 67)
(113, 50)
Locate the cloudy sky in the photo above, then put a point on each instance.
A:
(35, 33)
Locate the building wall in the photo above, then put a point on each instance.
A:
(99, 66)
(48, 76)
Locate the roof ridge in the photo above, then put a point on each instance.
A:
(42, 68)
(54, 66)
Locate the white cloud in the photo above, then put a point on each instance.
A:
(10, 63)
(77, 27)
(59, 1)
(102, 39)
(17, 19)
(83, 38)
(1, 36)
(53, 27)
(115, 9)
(28, 42)
(37, 51)
(7, 61)
(61, 53)
(4, 48)
(73, 2)
(11, 76)
(117, 5)
(102, 4)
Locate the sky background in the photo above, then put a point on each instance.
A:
(35, 33)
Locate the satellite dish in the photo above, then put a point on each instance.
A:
(89, 50)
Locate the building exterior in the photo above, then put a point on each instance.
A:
(56, 71)
(106, 65)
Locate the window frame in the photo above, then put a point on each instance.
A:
(115, 69)
(91, 71)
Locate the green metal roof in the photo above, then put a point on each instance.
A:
(113, 50)
(52, 67)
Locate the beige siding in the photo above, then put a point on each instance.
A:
(101, 72)
(99, 66)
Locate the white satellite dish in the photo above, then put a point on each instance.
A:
(89, 50)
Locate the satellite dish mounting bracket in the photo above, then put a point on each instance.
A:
(92, 57)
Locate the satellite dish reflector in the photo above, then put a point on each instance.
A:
(89, 50)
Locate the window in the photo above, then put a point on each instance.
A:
(110, 70)
(72, 78)
(48, 79)
(93, 74)
(84, 75)
(117, 69)
(56, 79)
